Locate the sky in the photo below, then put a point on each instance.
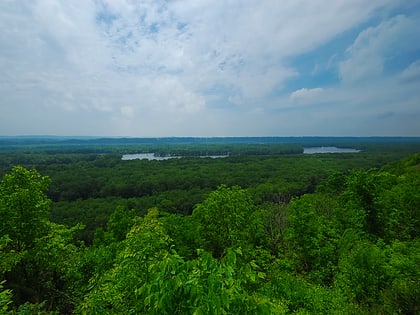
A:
(158, 68)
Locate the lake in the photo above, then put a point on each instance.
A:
(310, 150)
(314, 150)
(151, 156)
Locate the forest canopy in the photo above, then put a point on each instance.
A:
(85, 233)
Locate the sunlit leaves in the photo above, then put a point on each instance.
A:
(5, 298)
(228, 217)
(150, 277)
(36, 254)
(24, 208)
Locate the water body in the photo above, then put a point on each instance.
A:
(311, 150)
(152, 157)
(314, 150)
(144, 156)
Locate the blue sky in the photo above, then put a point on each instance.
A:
(210, 68)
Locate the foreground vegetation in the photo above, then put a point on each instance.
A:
(252, 234)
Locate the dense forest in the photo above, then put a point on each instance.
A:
(264, 230)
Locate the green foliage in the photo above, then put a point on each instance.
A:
(362, 191)
(36, 253)
(283, 245)
(5, 298)
(24, 208)
(333, 185)
(201, 286)
(92, 263)
(399, 206)
(362, 273)
(114, 290)
(311, 236)
(227, 218)
(403, 291)
(8, 257)
(34, 309)
(149, 277)
(120, 222)
(382, 278)
(382, 204)
(275, 224)
(299, 296)
(183, 232)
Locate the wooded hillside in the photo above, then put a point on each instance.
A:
(265, 234)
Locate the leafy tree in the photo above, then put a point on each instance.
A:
(402, 294)
(24, 207)
(8, 257)
(311, 236)
(296, 295)
(119, 222)
(149, 277)
(362, 275)
(229, 218)
(183, 232)
(36, 252)
(361, 196)
(115, 290)
(275, 224)
(399, 206)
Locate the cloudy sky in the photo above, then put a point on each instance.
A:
(152, 68)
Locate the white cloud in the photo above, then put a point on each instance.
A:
(377, 45)
(181, 67)
(305, 95)
(411, 73)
